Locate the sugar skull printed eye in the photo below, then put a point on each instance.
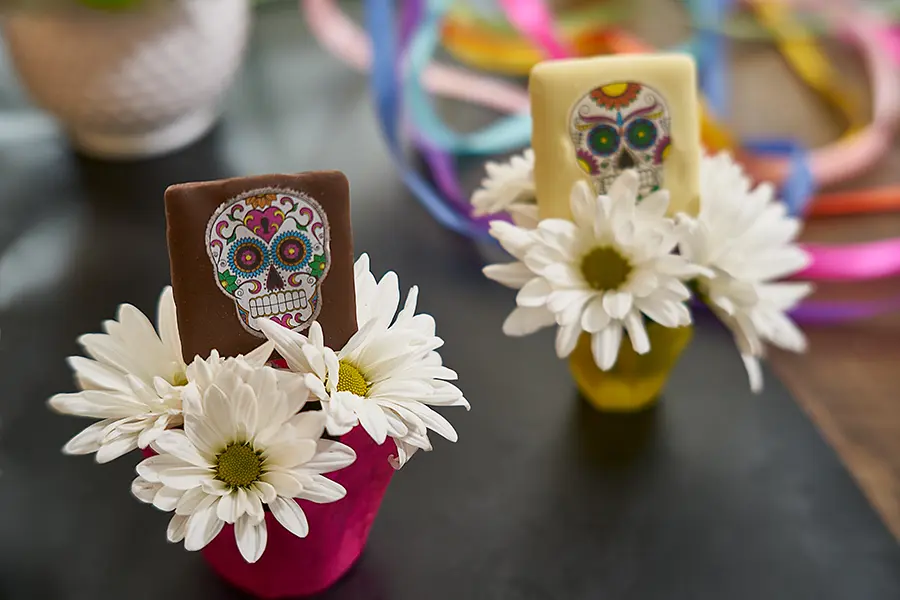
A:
(291, 251)
(603, 140)
(248, 257)
(641, 134)
(269, 250)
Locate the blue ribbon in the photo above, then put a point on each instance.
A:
(506, 135)
(711, 49)
(800, 186)
(384, 81)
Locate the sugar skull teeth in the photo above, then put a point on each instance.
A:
(277, 304)
(620, 126)
(270, 254)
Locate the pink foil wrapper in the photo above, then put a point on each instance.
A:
(292, 566)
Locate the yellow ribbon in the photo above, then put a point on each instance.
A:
(808, 61)
(495, 46)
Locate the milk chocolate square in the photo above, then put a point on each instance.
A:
(596, 117)
(270, 246)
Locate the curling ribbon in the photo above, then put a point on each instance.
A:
(417, 184)
(798, 46)
(441, 166)
(797, 190)
(711, 50)
(380, 19)
(345, 40)
(341, 36)
(505, 135)
(534, 21)
(488, 42)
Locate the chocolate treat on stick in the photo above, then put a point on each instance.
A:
(269, 246)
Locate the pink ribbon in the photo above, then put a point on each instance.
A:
(533, 20)
(871, 260)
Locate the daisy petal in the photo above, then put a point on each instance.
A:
(227, 508)
(266, 491)
(617, 304)
(594, 318)
(432, 420)
(144, 490)
(534, 293)
(251, 538)
(166, 498)
(178, 445)
(634, 325)
(309, 424)
(566, 339)
(167, 323)
(287, 342)
(582, 203)
(285, 483)
(98, 376)
(512, 275)
(97, 404)
(149, 468)
(330, 456)
(290, 515)
(116, 448)
(190, 501)
(605, 346)
(373, 421)
(185, 478)
(290, 453)
(203, 525)
(754, 373)
(260, 355)
(88, 441)
(177, 528)
(322, 490)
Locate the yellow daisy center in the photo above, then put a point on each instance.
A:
(605, 269)
(179, 379)
(350, 379)
(239, 465)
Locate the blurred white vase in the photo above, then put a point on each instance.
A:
(131, 84)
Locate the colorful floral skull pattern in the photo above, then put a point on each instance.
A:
(619, 126)
(270, 254)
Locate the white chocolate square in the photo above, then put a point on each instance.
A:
(594, 117)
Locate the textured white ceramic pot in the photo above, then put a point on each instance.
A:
(136, 83)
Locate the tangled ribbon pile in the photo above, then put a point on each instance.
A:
(398, 52)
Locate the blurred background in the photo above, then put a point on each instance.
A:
(103, 103)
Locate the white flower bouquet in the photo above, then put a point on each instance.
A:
(236, 443)
(616, 280)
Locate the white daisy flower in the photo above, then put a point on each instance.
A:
(244, 444)
(509, 187)
(746, 239)
(601, 273)
(386, 375)
(133, 381)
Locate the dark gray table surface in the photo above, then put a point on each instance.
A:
(713, 495)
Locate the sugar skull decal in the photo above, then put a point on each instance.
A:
(270, 254)
(620, 126)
